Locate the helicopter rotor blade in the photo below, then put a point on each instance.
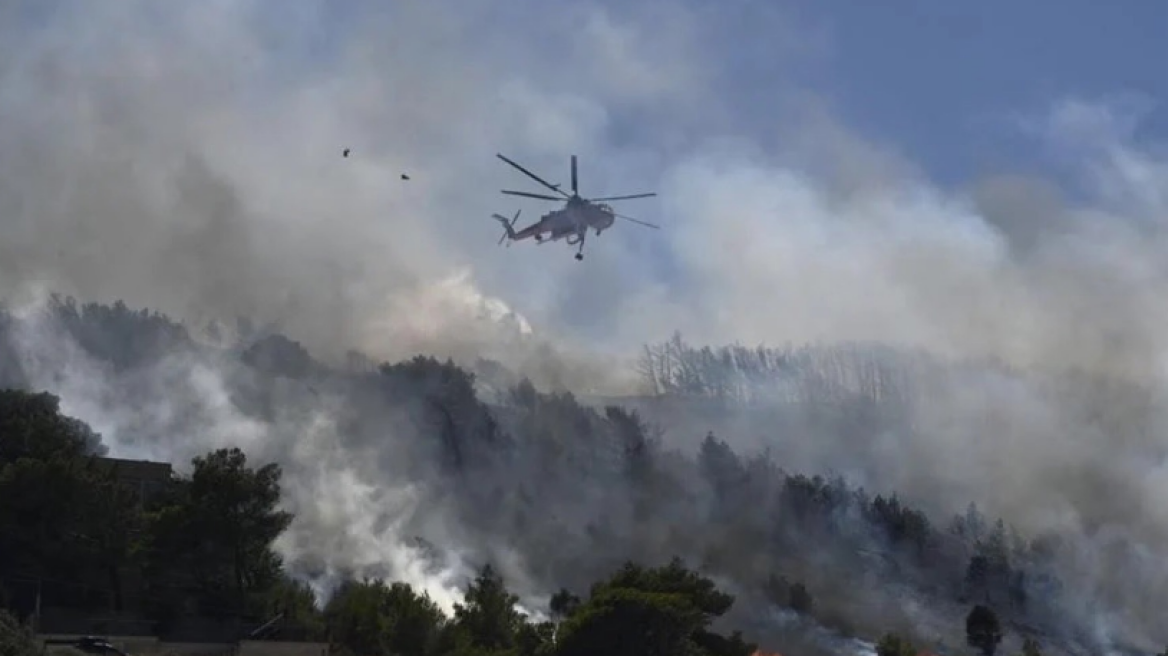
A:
(646, 195)
(531, 195)
(534, 176)
(644, 223)
(574, 175)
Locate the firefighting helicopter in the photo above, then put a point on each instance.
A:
(572, 221)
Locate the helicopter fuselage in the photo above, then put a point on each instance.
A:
(569, 222)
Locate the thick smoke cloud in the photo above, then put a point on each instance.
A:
(187, 159)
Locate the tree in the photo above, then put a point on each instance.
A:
(447, 409)
(487, 618)
(353, 616)
(32, 426)
(414, 620)
(982, 630)
(235, 506)
(563, 604)
(1030, 648)
(65, 520)
(724, 471)
(800, 600)
(524, 395)
(781, 592)
(638, 611)
(369, 617)
(295, 602)
(631, 622)
(893, 645)
(217, 530)
(596, 481)
(536, 639)
(977, 576)
(279, 356)
(117, 335)
(40, 516)
(108, 523)
(15, 640)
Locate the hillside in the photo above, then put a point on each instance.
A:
(403, 471)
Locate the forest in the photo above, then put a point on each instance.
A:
(204, 548)
(575, 529)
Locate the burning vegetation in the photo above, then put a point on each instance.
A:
(361, 466)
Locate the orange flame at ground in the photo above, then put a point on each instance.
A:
(759, 652)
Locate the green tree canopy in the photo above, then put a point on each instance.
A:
(63, 517)
(370, 617)
(215, 533)
(982, 630)
(295, 603)
(563, 603)
(32, 426)
(893, 645)
(639, 611)
(487, 620)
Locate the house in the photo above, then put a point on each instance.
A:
(146, 478)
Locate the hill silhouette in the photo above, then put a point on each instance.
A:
(424, 471)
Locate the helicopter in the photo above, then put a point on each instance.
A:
(572, 221)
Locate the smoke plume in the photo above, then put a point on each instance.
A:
(187, 159)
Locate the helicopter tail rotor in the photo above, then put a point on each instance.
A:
(508, 226)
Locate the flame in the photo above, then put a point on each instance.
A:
(759, 652)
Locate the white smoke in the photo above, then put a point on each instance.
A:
(187, 160)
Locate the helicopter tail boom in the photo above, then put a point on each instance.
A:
(508, 226)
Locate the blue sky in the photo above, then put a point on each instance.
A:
(937, 77)
(947, 84)
(943, 81)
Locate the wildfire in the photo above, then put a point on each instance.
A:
(759, 652)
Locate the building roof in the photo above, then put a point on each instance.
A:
(138, 469)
